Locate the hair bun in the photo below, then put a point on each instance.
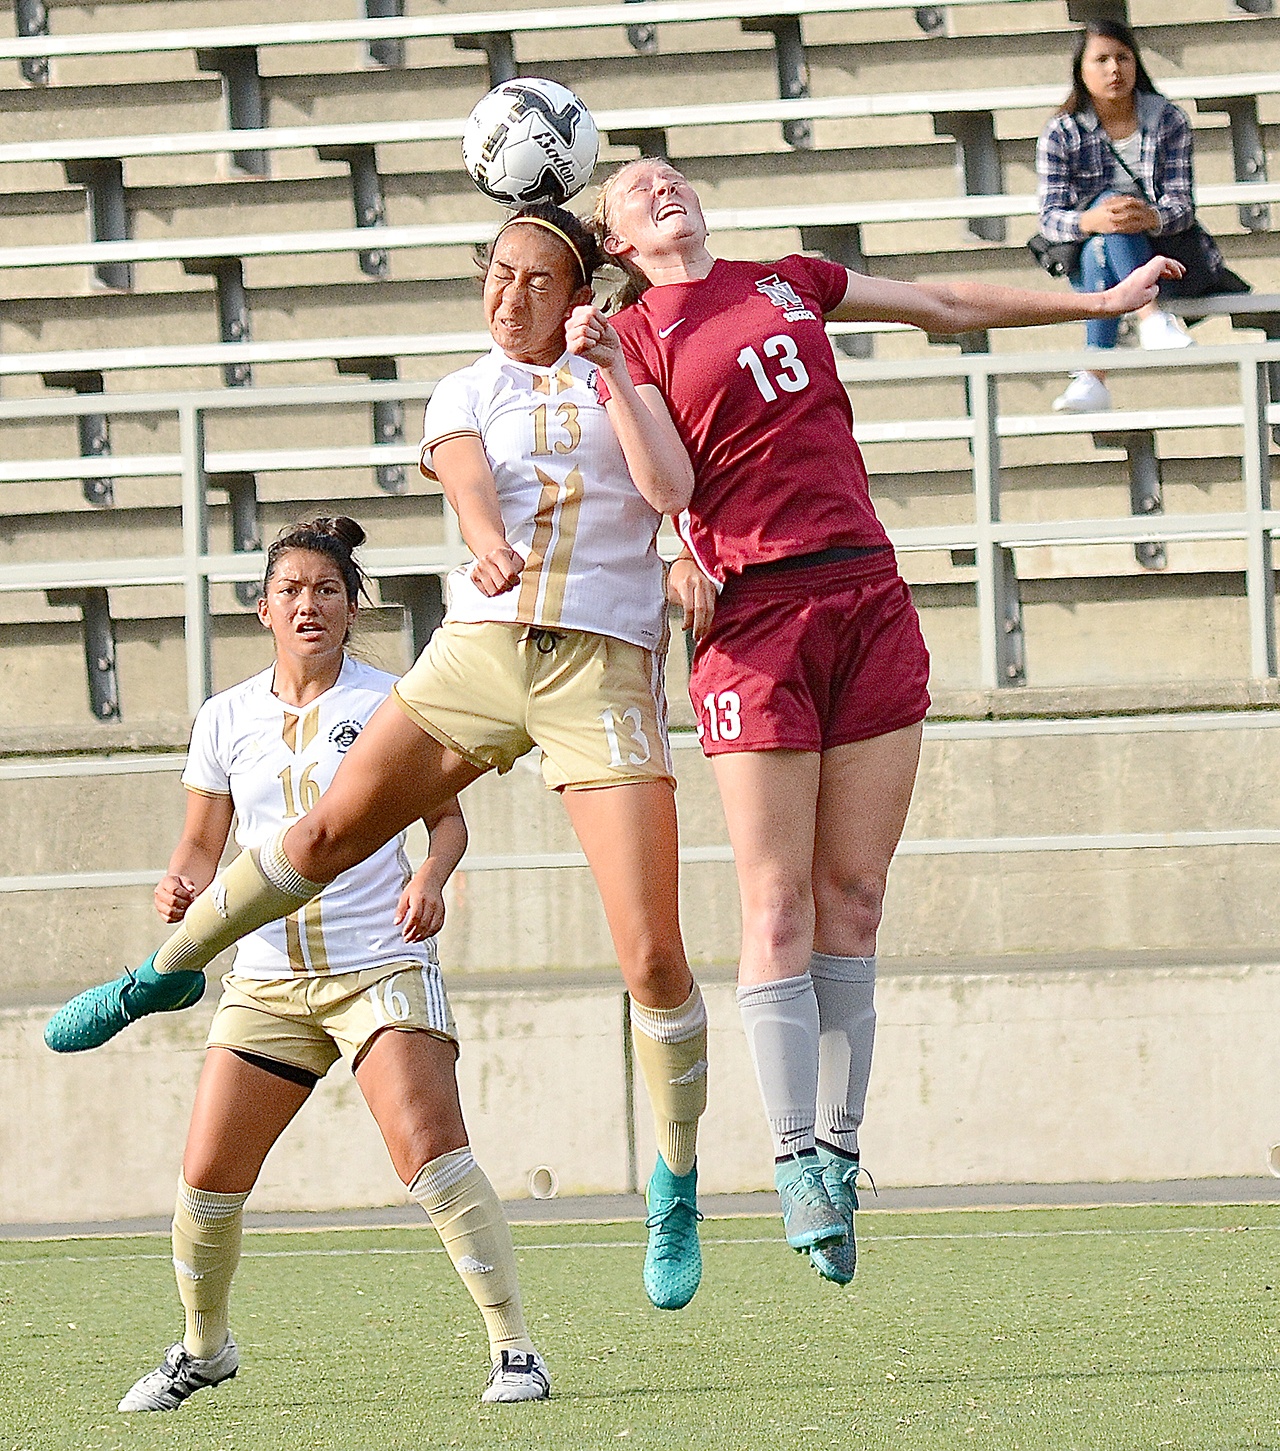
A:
(343, 530)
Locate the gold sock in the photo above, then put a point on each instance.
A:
(468, 1217)
(259, 886)
(671, 1049)
(206, 1251)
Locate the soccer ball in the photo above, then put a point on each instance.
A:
(530, 140)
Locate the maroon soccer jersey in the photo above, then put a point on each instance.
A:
(744, 363)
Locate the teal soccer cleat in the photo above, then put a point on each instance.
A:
(673, 1260)
(808, 1216)
(837, 1262)
(95, 1016)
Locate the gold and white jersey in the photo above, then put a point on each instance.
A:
(274, 760)
(568, 504)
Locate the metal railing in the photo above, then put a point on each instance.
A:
(993, 541)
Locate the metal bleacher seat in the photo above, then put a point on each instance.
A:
(244, 236)
(832, 228)
(651, 125)
(468, 234)
(492, 32)
(981, 534)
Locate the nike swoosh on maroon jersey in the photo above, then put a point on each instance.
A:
(664, 331)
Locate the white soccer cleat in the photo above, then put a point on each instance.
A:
(180, 1375)
(1162, 330)
(518, 1375)
(1083, 394)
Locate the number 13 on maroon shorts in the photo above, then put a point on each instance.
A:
(807, 659)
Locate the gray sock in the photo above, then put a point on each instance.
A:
(781, 1021)
(845, 988)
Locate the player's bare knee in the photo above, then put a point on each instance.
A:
(777, 919)
(850, 905)
(657, 973)
(317, 851)
(422, 1145)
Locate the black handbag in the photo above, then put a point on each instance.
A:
(1059, 259)
(1207, 274)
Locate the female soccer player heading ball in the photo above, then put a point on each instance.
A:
(810, 684)
(554, 637)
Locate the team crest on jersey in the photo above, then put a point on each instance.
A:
(593, 382)
(784, 296)
(343, 735)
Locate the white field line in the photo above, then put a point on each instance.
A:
(774, 1239)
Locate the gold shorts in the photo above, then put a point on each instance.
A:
(311, 1022)
(595, 705)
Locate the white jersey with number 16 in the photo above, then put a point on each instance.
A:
(274, 760)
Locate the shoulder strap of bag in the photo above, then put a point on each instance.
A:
(1133, 175)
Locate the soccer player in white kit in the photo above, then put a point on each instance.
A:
(354, 975)
(554, 636)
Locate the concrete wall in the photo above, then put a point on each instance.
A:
(1051, 1074)
(1209, 772)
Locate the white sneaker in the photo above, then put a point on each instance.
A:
(1085, 393)
(518, 1375)
(180, 1375)
(1163, 330)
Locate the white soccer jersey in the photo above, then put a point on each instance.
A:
(274, 760)
(568, 504)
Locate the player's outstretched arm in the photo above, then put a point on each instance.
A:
(959, 307)
(467, 480)
(420, 913)
(195, 859)
(657, 459)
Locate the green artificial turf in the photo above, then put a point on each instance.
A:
(1125, 1328)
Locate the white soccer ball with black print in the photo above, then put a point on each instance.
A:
(530, 140)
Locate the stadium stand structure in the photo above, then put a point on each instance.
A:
(1097, 592)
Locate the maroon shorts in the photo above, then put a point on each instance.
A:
(810, 658)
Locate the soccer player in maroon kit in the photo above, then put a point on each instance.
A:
(810, 684)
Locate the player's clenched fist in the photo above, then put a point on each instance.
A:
(588, 334)
(173, 896)
(497, 571)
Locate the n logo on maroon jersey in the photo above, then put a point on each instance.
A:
(784, 296)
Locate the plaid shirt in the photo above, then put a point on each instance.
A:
(1075, 164)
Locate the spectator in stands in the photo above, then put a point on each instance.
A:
(1115, 144)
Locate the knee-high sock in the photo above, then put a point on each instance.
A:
(206, 1250)
(846, 992)
(671, 1049)
(259, 886)
(781, 1019)
(468, 1217)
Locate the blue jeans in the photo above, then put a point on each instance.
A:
(1108, 258)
